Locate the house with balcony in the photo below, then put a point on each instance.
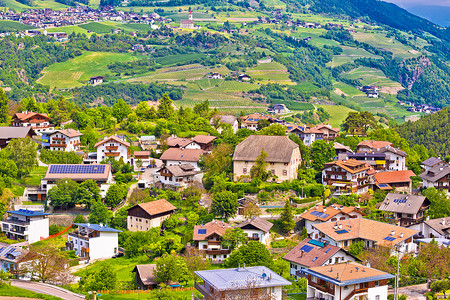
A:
(113, 147)
(178, 156)
(241, 283)
(257, 229)
(283, 157)
(182, 143)
(251, 121)
(335, 212)
(65, 140)
(144, 216)
(395, 158)
(405, 209)
(346, 177)
(100, 174)
(208, 240)
(9, 133)
(24, 224)
(431, 162)
(435, 228)
(311, 253)
(176, 176)
(94, 241)
(328, 133)
(347, 281)
(141, 159)
(373, 233)
(205, 141)
(13, 259)
(38, 121)
(376, 160)
(437, 176)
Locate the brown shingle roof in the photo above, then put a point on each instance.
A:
(401, 203)
(157, 207)
(68, 132)
(26, 116)
(141, 153)
(317, 256)
(178, 142)
(114, 138)
(278, 148)
(15, 132)
(351, 272)
(178, 154)
(180, 170)
(374, 144)
(365, 229)
(440, 225)
(215, 226)
(350, 165)
(394, 176)
(204, 139)
(331, 211)
(146, 273)
(257, 222)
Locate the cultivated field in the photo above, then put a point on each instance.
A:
(77, 71)
(6, 25)
(273, 72)
(349, 54)
(17, 6)
(369, 76)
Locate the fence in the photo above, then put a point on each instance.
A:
(144, 291)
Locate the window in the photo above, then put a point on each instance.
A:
(205, 246)
(377, 283)
(345, 287)
(244, 171)
(246, 162)
(272, 163)
(284, 173)
(377, 297)
(272, 171)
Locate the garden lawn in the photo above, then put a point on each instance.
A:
(77, 71)
(12, 291)
(338, 113)
(121, 265)
(174, 294)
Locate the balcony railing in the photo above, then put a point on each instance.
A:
(322, 288)
(253, 238)
(214, 243)
(17, 222)
(111, 147)
(217, 251)
(58, 145)
(58, 139)
(80, 236)
(336, 173)
(112, 153)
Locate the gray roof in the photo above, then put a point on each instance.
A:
(278, 148)
(180, 170)
(437, 172)
(240, 278)
(441, 225)
(338, 146)
(431, 161)
(401, 203)
(15, 132)
(257, 222)
(393, 150)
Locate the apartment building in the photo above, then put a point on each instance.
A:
(112, 146)
(346, 177)
(24, 224)
(65, 140)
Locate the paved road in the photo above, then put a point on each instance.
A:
(46, 289)
(413, 292)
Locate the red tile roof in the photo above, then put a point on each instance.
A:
(213, 227)
(157, 207)
(178, 154)
(317, 256)
(374, 144)
(394, 176)
(114, 138)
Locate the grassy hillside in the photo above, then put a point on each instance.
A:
(17, 6)
(6, 26)
(77, 71)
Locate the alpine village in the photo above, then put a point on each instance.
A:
(224, 149)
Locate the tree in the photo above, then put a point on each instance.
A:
(252, 254)
(251, 209)
(63, 194)
(282, 267)
(224, 204)
(171, 267)
(440, 205)
(4, 101)
(115, 194)
(356, 249)
(87, 192)
(274, 129)
(165, 108)
(99, 213)
(104, 279)
(259, 169)
(79, 219)
(142, 110)
(321, 153)
(48, 264)
(219, 160)
(440, 286)
(234, 237)
(121, 110)
(358, 123)
(24, 153)
(287, 218)
(195, 261)
(263, 123)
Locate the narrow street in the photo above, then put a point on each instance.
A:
(48, 289)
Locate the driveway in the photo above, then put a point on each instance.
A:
(48, 289)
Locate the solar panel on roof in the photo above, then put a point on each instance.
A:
(328, 250)
(306, 248)
(315, 258)
(382, 185)
(316, 243)
(77, 169)
(341, 231)
(202, 231)
(389, 238)
(319, 214)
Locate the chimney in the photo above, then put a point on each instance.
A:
(324, 209)
(331, 269)
(443, 221)
(393, 232)
(401, 235)
(340, 226)
(101, 224)
(301, 253)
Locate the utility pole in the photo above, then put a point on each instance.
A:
(397, 275)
